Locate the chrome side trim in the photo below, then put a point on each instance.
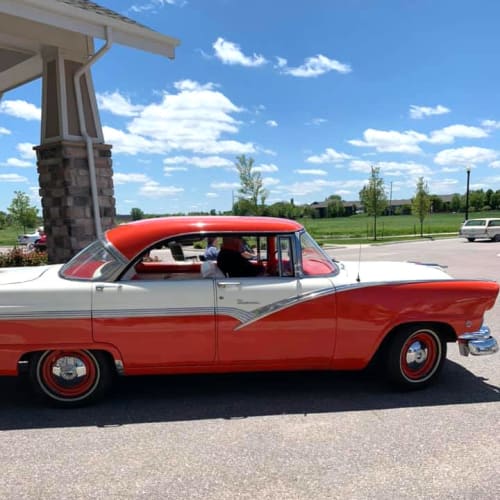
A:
(478, 343)
(269, 309)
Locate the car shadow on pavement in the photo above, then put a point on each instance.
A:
(194, 397)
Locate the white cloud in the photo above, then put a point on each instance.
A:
(266, 168)
(121, 178)
(270, 181)
(490, 124)
(132, 144)
(5, 131)
(26, 150)
(201, 162)
(12, 178)
(117, 104)
(153, 5)
(392, 168)
(329, 156)
(495, 164)
(211, 195)
(225, 185)
(230, 53)
(21, 109)
(465, 156)
(310, 171)
(418, 112)
(153, 189)
(444, 186)
(194, 119)
(16, 162)
(313, 67)
(448, 134)
(391, 141)
(272, 123)
(317, 122)
(168, 170)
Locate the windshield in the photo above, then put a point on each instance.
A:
(314, 260)
(93, 263)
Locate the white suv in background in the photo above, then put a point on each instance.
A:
(473, 229)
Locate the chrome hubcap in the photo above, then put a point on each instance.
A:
(416, 355)
(69, 370)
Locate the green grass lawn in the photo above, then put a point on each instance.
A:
(8, 235)
(360, 227)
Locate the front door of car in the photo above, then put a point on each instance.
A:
(157, 322)
(275, 321)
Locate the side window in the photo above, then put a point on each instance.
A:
(286, 261)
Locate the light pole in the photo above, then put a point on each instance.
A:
(467, 195)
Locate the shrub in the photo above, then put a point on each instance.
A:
(17, 257)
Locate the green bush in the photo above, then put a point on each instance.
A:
(17, 257)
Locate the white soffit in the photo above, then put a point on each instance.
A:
(90, 19)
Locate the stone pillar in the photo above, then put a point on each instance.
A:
(63, 168)
(66, 197)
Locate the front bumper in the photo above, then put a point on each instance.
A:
(477, 343)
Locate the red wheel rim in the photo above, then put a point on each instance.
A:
(68, 374)
(420, 355)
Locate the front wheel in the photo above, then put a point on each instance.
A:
(69, 378)
(415, 356)
(471, 239)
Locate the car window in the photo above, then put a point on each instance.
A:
(314, 261)
(494, 223)
(475, 222)
(94, 263)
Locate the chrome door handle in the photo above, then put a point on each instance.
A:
(100, 288)
(223, 284)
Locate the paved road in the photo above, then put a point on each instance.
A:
(272, 436)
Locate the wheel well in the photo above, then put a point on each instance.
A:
(445, 332)
(25, 359)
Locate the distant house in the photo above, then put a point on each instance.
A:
(394, 206)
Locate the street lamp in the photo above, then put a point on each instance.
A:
(467, 195)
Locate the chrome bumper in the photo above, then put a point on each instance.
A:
(477, 343)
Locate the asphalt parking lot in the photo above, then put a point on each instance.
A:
(273, 436)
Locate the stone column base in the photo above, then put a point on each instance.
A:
(66, 197)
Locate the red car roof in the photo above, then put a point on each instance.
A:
(133, 237)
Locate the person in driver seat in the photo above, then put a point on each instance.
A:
(231, 261)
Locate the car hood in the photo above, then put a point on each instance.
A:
(381, 272)
(12, 275)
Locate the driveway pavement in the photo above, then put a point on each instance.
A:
(272, 436)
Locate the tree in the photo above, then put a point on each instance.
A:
(456, 203)
(335, 207)
(252, 187)
(136, 214)
(421, 203)
(22, 212)
(373, 197)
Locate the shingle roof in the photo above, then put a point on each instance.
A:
(103, 11)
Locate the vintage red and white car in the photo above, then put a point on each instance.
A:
(141, 300)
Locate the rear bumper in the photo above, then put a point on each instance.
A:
(479, 343)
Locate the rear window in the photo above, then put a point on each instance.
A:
(475, 222)
(494, 223)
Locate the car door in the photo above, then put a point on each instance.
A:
(157, 322)
(276, 321)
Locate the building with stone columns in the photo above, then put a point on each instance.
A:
(56, 40)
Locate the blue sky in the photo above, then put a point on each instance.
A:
(316, 92)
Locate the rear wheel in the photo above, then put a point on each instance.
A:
(69, 378)
(471, 239)
(415, 356)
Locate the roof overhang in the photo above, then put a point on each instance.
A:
(54, 23)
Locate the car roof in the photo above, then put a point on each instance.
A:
(133, 237)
